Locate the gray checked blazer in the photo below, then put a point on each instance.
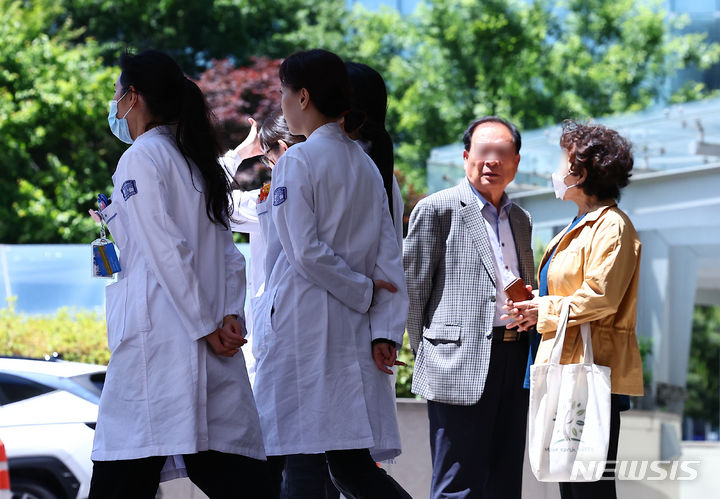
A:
(451, 282)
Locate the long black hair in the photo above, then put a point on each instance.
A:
(366, 119)
(172, 98)
(323, 75)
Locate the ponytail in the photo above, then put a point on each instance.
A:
(196, 139)
(172, 98)
(381, 152)
(366, 120)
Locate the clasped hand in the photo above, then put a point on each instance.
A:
(524, 314)
(227, 340)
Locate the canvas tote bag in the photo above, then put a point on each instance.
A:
(569, 413)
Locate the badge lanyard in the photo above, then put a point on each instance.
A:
(105, 262)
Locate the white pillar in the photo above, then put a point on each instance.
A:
(668, 279)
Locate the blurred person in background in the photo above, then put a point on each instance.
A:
(365, 122)
(269, 142)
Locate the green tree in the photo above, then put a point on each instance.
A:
(56, 152)
(704, 366)
(193, 31)
(616, 56)
(536, 63)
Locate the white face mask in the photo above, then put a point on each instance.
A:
(119, 126)
(559, 185)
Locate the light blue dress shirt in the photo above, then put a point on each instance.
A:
(502, 243)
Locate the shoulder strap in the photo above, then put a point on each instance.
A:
(559, 340)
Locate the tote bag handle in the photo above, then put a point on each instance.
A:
(559, 341)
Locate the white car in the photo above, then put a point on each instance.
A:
(48, 412)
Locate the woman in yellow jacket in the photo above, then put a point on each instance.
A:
(596, 261)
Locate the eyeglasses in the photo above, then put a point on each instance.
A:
(267, 161)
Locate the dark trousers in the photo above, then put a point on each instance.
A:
(302, 476)
(477, 450)
(215, 473)
(353, 472)
(605, 488)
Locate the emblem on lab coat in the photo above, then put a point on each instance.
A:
(279, 196)
(128, 189)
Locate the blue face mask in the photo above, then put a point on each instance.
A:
(119, 126)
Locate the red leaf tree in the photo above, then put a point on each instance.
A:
(236, 94)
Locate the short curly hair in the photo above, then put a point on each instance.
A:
(602, 153)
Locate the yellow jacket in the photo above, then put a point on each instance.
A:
(597, 263)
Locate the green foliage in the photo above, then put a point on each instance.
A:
(77, 335)
(704, 366)
(536, 63)
(194, 31)
(55, 150)
(403, 383)
(80, 336)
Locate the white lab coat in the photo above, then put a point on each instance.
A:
(245, 219)
(165, 391)
(328, 230)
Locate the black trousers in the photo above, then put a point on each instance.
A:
(353, 472)
(218, 475)
(477, 450)
(605, 488)
(304, 476)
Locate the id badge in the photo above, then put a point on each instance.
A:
(105, 262)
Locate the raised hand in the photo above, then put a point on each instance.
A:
(250, 147)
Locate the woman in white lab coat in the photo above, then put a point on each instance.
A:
(305, 476)
(271, 141)
(321, 382)
(176, 382)
(366, 123)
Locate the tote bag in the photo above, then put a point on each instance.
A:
(569, 413)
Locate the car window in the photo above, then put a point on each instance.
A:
(93, 383)
(15, 389)
(85, 386)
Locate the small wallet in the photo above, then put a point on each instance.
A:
(517, 291)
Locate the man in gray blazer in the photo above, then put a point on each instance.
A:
(464, 245)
